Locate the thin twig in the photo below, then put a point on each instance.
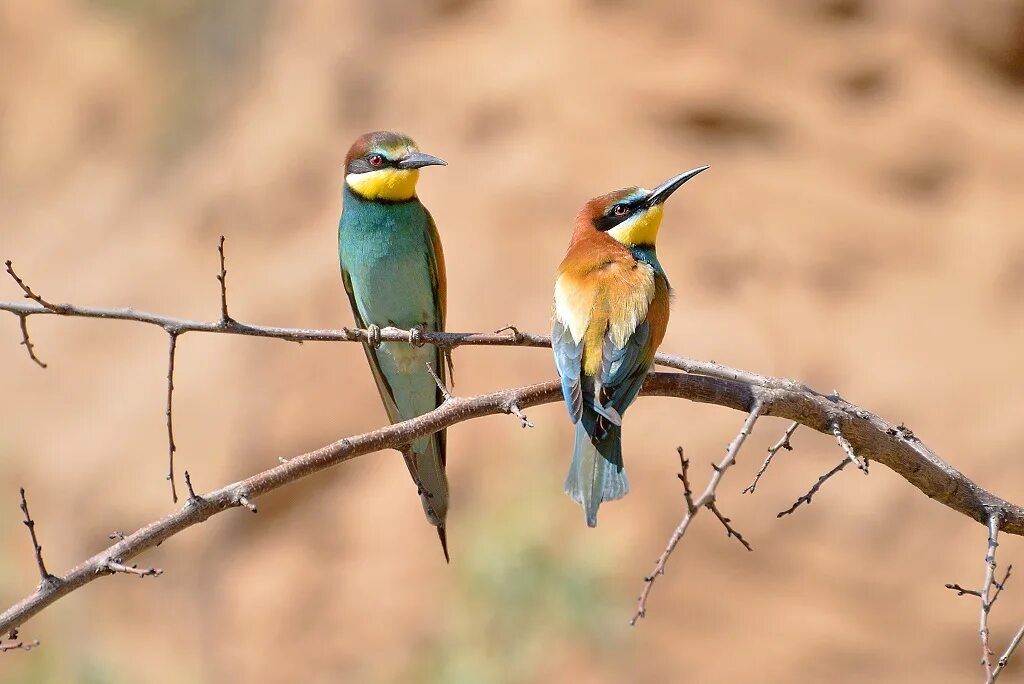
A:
(191, 492)
(29, 294)
(783, 443)
(693, 506)
(171, 448)
(27, 341)
(806, 498)
(45, 578)
(1007, 654)
(439, 382)
(986, 588)
(845, 445)
(15, 644)
(114, 567)
(222, 278)
(684, 477)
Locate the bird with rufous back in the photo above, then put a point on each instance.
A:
(611, 313)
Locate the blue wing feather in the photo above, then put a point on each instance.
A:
(569, 362)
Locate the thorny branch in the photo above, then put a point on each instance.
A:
(705, 500)
(864, 433)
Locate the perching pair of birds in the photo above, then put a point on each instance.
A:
(611, 311)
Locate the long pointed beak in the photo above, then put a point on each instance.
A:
(665, 190)
(418, 160)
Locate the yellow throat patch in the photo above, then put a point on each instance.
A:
(641, 229)
(391, 184)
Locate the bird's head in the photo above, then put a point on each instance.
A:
(632, 215)
(385, 166)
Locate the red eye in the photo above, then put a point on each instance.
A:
(376, 160)
(620, 210)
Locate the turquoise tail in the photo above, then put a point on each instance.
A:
(596, 473)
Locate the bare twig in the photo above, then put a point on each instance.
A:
(1007, 654)
(26, 341)
(191, 492)
(439, 382)
(45, 578)
(986, 588)
(29, 294)
(172, 347)
(684, 477)
(693, 506)
(114, 567)
(15, 644)
(783, 443)
(806, 498)
(222, 278)
(845, 445)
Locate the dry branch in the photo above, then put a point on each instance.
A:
(865, 434)
(706, 500)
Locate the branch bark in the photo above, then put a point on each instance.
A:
(869, 436)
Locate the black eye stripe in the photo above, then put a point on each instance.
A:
(610, 219)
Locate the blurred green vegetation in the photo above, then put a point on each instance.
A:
(519, 589)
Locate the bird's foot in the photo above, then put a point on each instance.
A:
(416, 335)
(373, 335)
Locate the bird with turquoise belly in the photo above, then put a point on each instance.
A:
(392, 267)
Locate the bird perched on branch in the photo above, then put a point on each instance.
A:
(611, 312)
(393, 270)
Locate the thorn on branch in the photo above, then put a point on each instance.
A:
(222, 278)
(806, 498)
(446, 354)
(439, 382)
(783, 443)
(516, 336)
(244, 501)
(845, 445)
(192, 497)
(45, 578)
(29, 294)
(524, 422)
(114, 567)
(26, 341)
(171, 448)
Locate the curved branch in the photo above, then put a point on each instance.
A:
(870, 436)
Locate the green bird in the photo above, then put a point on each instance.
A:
(393, 270)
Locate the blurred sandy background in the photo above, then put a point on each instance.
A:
(861, 229)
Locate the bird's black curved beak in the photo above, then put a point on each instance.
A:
(418, 160)
(665, 190)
